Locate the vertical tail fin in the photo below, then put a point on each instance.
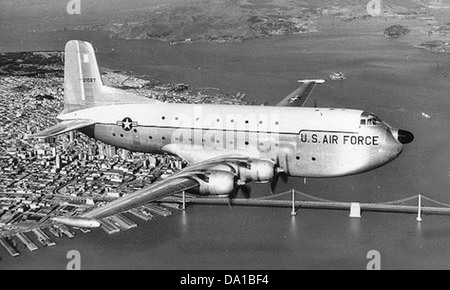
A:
(82, 80)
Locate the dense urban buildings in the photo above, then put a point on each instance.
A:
(67, 175)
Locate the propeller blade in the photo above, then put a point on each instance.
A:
(246, 191)
(274, 181)
(284, 177)
(273, 184)
(232, 196)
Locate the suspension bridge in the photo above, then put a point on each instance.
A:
(299, 200)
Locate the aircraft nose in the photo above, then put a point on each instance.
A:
(405, 137)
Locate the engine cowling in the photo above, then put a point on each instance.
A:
(257, 171)
(219, 183)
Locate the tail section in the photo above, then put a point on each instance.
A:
(82, 81)
(83, 88)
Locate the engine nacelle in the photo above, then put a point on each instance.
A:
(216, 183)
(257, 171)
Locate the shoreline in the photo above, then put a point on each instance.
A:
(29, 64)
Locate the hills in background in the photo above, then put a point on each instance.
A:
(216, 21)
(238, 20)
(177, 21)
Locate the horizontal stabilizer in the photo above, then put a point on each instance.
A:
(62, 127)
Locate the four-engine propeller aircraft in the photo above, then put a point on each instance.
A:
(225, 146)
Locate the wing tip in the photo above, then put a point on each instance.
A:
(317, 81)
(78, 222)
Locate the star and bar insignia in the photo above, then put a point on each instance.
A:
(127, 124)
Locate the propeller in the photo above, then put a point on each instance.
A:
(246, 190)
(240, 186)
(279, 172)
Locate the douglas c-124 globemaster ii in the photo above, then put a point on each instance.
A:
(225, 146)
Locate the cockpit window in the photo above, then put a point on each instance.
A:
(369, 120)
(373, 121)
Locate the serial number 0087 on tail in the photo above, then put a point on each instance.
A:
(89, 80)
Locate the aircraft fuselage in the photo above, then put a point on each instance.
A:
(306, 142)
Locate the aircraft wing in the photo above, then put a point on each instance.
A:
(62, 127)
(299, 97)
(181, 181)
(157, 191)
